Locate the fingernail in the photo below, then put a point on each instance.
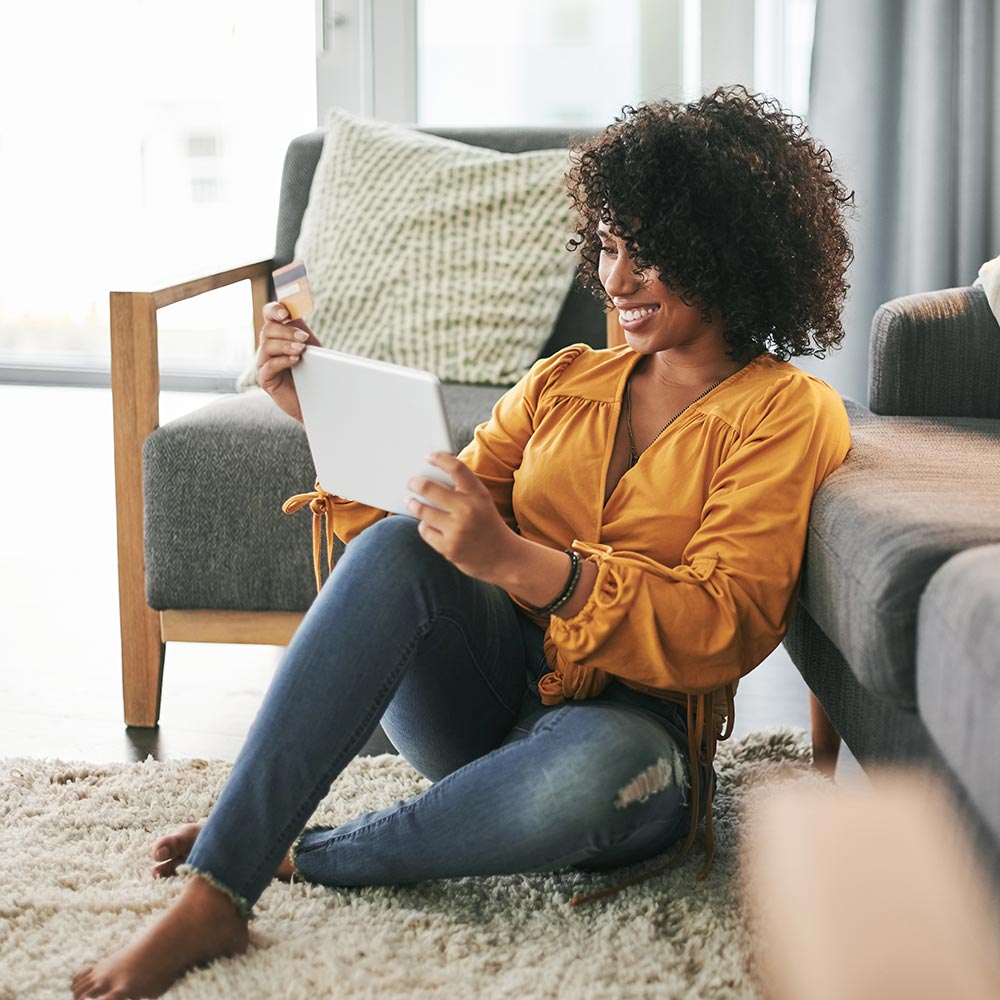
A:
(281, 312)
(301, 335)
(162, 854)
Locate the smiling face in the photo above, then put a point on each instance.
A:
(653, 317)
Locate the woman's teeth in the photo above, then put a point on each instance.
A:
(633, 315)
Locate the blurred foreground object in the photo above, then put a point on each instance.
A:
(858, 893)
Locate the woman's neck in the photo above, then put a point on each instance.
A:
(686, 373)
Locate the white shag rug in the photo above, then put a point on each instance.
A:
(75, 885)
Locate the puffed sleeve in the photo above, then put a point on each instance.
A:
(704, 623)
(494, 454)
(350, 518)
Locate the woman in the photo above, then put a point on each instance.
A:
(556, 642)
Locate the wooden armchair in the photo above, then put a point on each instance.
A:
(183, 575)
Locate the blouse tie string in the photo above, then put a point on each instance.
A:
(321, 504)
(702, 740)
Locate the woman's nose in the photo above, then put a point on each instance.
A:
(622, 278)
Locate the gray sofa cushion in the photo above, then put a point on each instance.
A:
(958, 671)
(912, 493)
(214, 482)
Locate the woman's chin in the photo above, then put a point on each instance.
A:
(640, 342)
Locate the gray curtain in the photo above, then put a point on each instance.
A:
(906, 96)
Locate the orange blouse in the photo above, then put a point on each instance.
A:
(698, 548)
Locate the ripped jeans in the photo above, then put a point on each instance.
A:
(449, 665)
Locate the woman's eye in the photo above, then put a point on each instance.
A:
(610, 251)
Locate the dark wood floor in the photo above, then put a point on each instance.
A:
(60, 681)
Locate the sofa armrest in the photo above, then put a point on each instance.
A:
(135, 376)
(936, 354)
(135, 404)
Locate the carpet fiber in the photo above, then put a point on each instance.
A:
(75, 885)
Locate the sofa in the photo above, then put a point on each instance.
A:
(897, 625)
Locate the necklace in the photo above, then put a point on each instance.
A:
(633, 455)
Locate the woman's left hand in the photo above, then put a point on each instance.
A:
(464, 524)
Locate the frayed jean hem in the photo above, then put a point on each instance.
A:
(245, 909)
(298, 875)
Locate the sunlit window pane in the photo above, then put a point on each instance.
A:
(577, 62)
(141, 143)
(526, 62)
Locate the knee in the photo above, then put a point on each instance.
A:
(664, 774)
(389, 565)
(395, 532)
(622, 775)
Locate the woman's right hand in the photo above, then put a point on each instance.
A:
(281, 344)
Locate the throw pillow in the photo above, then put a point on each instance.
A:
(433, 253)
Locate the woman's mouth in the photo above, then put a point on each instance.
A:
(632, 320)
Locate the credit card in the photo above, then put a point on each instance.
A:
(291, 288)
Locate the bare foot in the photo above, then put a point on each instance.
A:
(201, 926)
(172, 851)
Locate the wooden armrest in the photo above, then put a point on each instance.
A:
(258, 274)
(197, 286)
(135, 376)
(135, 406)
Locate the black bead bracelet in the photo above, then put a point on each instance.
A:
(567, 591)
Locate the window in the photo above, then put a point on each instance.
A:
(141, 144)
(206, 189)
(203, 145)
(145, 147)
(526, 62)
(577, 62)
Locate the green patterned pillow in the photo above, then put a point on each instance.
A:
(432, 253)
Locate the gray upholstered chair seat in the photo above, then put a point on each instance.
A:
(214, 481)
(958, 669)
(913, 492)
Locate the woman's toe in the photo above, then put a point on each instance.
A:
(170, 851)
(81, 984)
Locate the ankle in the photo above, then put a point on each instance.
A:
(203, 894)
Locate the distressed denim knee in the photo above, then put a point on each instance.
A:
(613, 778)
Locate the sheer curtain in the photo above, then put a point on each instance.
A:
(906, 95)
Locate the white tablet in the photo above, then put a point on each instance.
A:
(370, 425)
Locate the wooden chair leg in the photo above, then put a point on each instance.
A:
(142, 661)
(825, 739)
(135, 388)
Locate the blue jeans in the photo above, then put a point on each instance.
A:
(449, 664)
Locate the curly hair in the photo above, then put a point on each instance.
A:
(734, 204)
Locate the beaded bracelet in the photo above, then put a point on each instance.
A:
(567, 591)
